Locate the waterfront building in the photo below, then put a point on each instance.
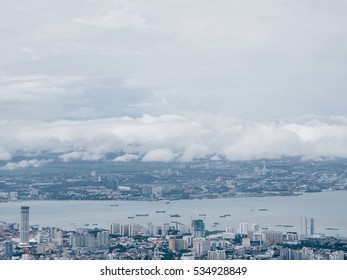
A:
(198, 228)
(146, 190)
(311, 226)
(134, 229)
(255, 227)
(24, 225)
(115, 228)
(244, 228)
(124, 229)
(307, 227)
(272, 237)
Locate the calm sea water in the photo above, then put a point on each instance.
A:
(327, 208)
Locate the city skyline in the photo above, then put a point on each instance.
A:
(165, 241)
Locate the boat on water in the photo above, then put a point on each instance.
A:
(113, 205)
(330, 228)
(131, 217)
(202, 215)
(141, 215)
(284, 226)
(160, 211)
(175, 216)
(262, 209)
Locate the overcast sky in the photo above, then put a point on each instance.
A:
(219, 72)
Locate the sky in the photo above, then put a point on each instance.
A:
(172, 80)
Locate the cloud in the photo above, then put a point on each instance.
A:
(103, 59)
(165, 80)
(126, 158)
(80, 155)
(4, 155)
(160, 155)
(24, 164)
(174, 137)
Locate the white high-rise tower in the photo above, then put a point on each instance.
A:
(24, 224)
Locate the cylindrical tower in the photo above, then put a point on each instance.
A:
(24, 224)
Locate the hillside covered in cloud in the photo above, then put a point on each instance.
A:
(170, 138)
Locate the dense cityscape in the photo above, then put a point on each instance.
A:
(168, 182)
(149, 242)
(199, 179)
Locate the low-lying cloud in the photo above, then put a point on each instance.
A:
(171, 137)
(24, 164)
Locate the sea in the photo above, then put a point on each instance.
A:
(281, 213)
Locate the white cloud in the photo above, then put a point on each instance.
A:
(174, 137)
(24, 164)
(80, 155)
(126, 157)
(215, 158)
(4, 155)
(160, 155)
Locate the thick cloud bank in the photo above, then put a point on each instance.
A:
(171, 137)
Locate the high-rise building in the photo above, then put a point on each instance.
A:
(307, 229)
(198, 228)
(134, 229)
(255, 227)
(176, 244)
(146, 190)
(24, 224)
(8, 249)
(312, 226)
(216, 255)
(115, 228)
(91, 240)
(304, 226)
(124, 229)
(244, 228)
(272, 237)
(201, 246)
